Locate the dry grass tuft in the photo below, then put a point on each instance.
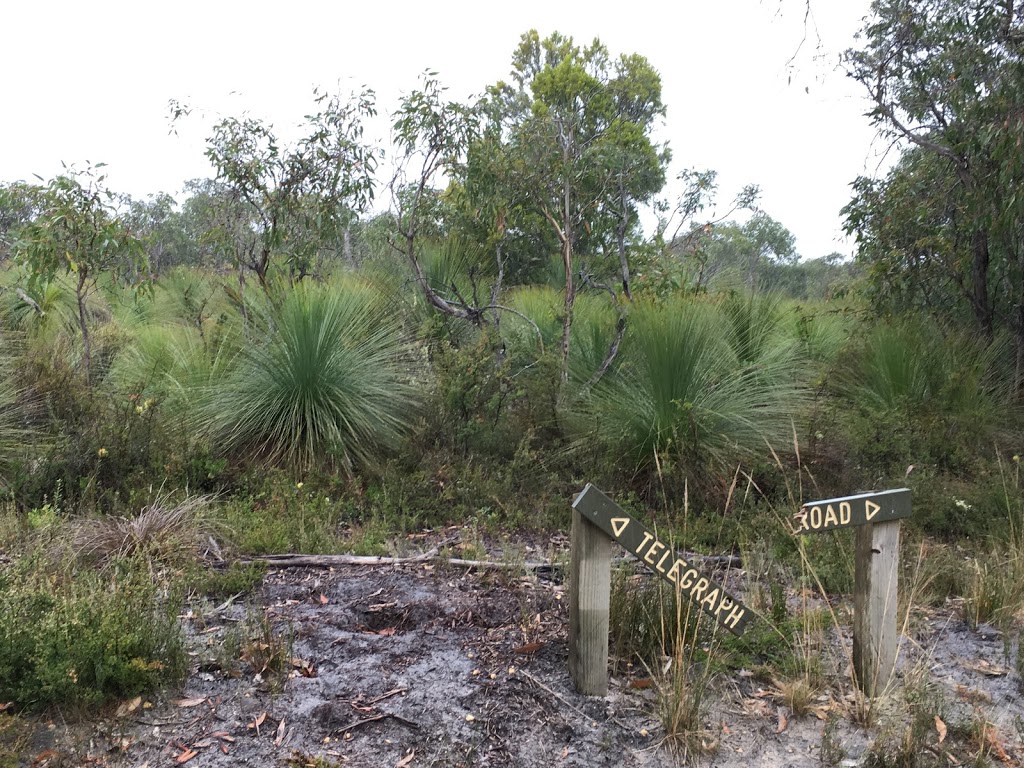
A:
(169, 533)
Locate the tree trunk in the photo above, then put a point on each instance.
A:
(980, 300)
(83, 325)
(623, 261)
(346, 247)
(570, 300)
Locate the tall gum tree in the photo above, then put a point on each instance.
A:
(946, 79)
(292, 194)
(575, 129)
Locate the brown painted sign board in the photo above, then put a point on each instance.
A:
(862, 509)
(635, 537)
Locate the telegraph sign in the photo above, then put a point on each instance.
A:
(634, 536)
(865, 508)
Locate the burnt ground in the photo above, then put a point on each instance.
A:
(427, 665)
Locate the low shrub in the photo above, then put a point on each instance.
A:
(82, 637)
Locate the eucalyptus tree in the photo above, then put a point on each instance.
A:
(572, 132)
(291, 194)
(946, 80)
(78, 232)
(431, 134)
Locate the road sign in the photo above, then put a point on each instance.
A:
(635, 537)
(864, 508)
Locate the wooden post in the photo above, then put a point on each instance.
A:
(590, 571)
(874, 605)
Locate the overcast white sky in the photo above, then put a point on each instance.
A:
(91, 81)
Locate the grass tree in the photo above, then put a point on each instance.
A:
(327, 386)
(679, 395)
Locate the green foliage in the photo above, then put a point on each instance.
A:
(284, 201)
(79, 234)
(679, 396)
(282, 515)
(80, 638)
(326, 383)
(920, 396)
(943, 228)
(237, 578)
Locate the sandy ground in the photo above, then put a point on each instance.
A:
(425, 665)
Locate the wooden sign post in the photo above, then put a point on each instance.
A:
(876, 574)
(596, 522)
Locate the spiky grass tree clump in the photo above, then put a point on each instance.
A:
(758, 333)
(680, 397)
(324, 382)
(542, 305)
(917, 393)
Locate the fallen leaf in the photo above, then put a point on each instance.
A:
(387, 632)
(127, 707)
(783, 722)
(470, 718)
(528, 648)
(223, 736)
(996, 745)
(725, 729)
(5, 707)
(407, 760)
(202, 744)
(642, 682)
(224, 748)
(190, 702)
(280, 733)
(184, 757)
(324, 599)
(940, 728)
(258, 722)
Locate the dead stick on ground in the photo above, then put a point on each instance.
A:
(387, 695)
(376, 718)
(329, 561)
(557, 695)
(567, 703)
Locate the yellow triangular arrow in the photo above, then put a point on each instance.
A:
(871, 508)
(619, 524)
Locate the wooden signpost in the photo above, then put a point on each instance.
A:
(876, 570)
(596, 522)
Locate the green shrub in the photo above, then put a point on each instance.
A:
(76, 638)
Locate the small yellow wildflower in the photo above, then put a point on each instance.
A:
(102, 453)
(299, 485)
(138, 409)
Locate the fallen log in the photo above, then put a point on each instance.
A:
(547, 569)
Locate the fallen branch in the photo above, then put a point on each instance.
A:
(330, 561)
(377, 718)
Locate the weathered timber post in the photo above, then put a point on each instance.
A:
(874, 605)
(596, 522)
(876, 575)
(590, 570)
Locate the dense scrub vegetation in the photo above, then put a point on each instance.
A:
(503, 333)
